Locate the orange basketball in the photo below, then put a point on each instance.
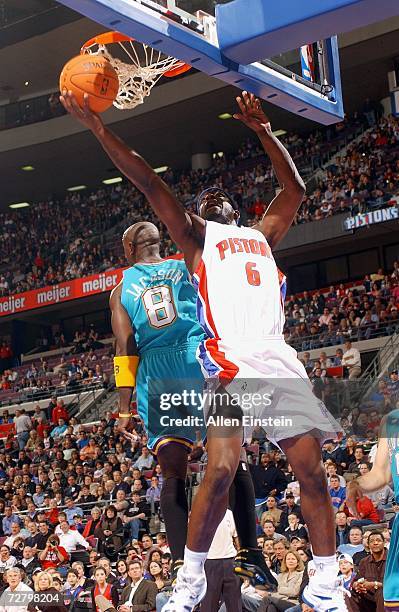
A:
(94, 75)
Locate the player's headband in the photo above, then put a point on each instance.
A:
(214, 190)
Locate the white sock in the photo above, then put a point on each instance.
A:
(194, 561)
(326, 566)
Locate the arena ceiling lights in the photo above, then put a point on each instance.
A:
(77, 188)
(19, 205)
(112, 181)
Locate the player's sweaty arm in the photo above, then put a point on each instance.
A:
(126, 358)
(282, 210)
(379, 475)
(136, 169)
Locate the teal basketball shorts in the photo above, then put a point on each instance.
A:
(169, 391)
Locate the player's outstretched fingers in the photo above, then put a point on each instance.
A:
(86, 104)
(72, 100)
(75, 108)
(241, 105)
(65, 100)
(247, 99)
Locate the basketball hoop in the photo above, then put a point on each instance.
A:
(138, 75)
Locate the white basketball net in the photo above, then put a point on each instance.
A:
(136, 79)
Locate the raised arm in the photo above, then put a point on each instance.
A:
(282, 210)
(136, 169)
(125, 369)
(379, 475)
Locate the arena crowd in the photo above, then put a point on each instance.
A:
(80, 502)
(79, 508)
(79, 235)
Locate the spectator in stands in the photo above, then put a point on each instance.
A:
(140, 592)
(43, 582)
(92, 523)
(13, 578)
(268, 480)
(72, 509)
(7, 560)
(331, 470)
(332, 451)
(38, 496)
(23, 425)
(337, 493)
(59, 412)
(71, 538)
(351, 360)
(272, 511)
(153, 493)
(346, 570)
(280, 549)
(136, 515)
(73, 589)
(269, 529)
(359, 458)
(354, 544)
(295, 528)
(289, 582)
(29, 562)
(14, 535)
(6, 418)
(342, 528)
(85, 498)
(367, 588)
(110, 530)
(291, 507)
(8, 519)
(59, 430)
(53, 554)
(104, 591)
(365, 509)
(145, 461)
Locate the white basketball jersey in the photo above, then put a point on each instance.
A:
(240, 289)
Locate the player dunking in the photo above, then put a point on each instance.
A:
(154, 320)
(385, 469)
(239, 307)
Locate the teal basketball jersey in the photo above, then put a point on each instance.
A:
(392, 432)
(161, 304)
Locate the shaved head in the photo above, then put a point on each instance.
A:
(141, 240)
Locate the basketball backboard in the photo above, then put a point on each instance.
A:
(248, 43)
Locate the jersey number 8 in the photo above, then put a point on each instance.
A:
(159, 305)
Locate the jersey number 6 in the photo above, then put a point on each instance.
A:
(253, 275)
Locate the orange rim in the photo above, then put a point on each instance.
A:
(106, 39)
(178, 70)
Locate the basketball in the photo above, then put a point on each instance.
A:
(93, 75)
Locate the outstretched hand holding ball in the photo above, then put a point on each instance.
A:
(82, 113)
(93, 75)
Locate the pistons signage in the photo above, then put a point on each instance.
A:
(371, 218)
